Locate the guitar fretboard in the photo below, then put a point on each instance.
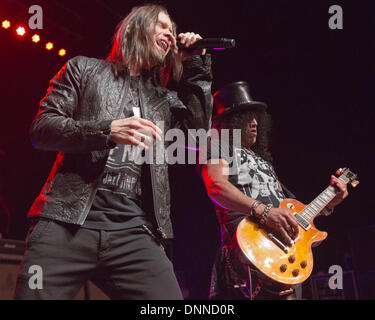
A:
(318, 204)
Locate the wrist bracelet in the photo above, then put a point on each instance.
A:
(254, 206)
(265, 213)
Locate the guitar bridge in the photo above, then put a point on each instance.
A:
(278, 243)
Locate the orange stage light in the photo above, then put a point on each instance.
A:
(35, 38)
(49, 46)
(62, 52)
(5, 24)
(20, 31)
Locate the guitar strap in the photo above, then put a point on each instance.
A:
(287, 192)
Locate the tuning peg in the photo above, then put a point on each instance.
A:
(354, 183)
(339, 172)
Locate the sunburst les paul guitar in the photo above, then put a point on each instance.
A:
(289, 265)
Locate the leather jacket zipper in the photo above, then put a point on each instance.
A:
(96, 183)
(155, 200)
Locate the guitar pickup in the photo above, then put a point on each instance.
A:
(278, 243)
(302, 222)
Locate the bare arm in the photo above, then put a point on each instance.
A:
(221, 190)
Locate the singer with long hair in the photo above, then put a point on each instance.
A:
(101, 216)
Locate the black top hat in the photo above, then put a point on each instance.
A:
(235, 97)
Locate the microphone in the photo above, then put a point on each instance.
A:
(209, 43)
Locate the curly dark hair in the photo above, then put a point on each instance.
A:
(240, 120)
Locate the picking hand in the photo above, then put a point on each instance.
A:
(284, 222)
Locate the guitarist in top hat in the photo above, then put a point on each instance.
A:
(241, 181)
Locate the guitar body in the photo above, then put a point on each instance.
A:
(257, 246)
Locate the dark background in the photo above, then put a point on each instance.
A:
(318, 83)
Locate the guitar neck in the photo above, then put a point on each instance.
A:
(318, 204)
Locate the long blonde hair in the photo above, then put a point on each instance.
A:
(133, 45)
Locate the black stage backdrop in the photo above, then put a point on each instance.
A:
(317, 82)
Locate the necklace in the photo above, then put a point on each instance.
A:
(134, 81)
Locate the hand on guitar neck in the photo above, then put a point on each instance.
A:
(341, 192)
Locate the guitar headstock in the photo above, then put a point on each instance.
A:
(348, 176)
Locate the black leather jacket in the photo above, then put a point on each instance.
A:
(74, 119)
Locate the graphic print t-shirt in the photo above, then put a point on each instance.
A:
(252, 175)
(118, 197)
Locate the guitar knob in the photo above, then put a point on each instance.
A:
(295, 272)
(283, 267)
(304, 264)
(290, 205)
(292, 258)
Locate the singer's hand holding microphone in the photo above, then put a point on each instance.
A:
(190, 43)
(185, 40)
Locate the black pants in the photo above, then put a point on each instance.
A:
(124, 264)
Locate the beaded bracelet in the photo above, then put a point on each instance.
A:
(254, 206)
(265, 213)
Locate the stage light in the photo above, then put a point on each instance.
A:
(5, 24)
(49, 46)
(21, 31)
(62, 52)
(35, 38)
